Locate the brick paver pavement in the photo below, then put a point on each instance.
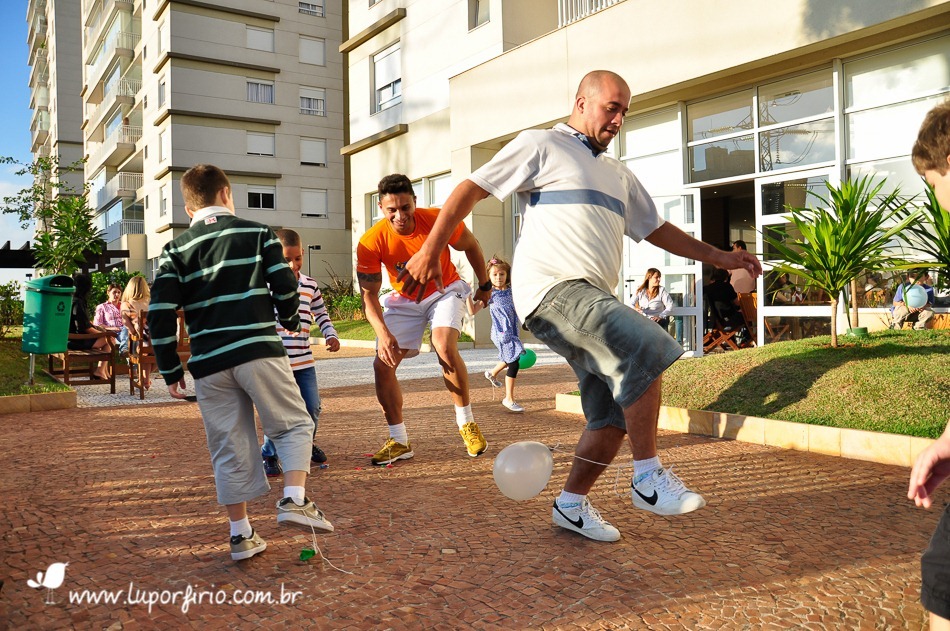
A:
(125, 496)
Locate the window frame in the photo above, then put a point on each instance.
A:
(260, 82)
(379, 105)
(261, 191)
(271, 137)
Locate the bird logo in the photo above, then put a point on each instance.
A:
(52, 579)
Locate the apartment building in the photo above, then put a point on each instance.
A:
(253, 86)
(54, 40)
(737, 110)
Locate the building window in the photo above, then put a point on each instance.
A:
(387, 78)
(162, 147)
(313, 101)
(262, 197)
(160, 37)
(163, 200)
(260, 39)
(477, 13)
(313, 151)
(312, 8)
(313, 202)
(161, 91)
(260, 91)
(260, 144)
(313, 51)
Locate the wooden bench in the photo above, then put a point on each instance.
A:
(68, 361)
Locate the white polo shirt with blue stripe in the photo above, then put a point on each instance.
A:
(577, 205)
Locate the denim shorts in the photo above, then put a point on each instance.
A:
(935, 570)
(615, 352)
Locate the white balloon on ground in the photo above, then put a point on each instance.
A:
(523, 469)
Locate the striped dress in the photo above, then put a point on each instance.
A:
(312, 311)
(229, 274)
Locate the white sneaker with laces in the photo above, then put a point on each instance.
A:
(663, 493)
(512, 406)
(492, 380)
(585, 520)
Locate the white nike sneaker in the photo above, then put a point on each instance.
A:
(585, 520)
(663, 493)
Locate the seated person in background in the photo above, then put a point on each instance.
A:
(652, 300)
(919, 315)
(108, 315)
(79, 324)
(783, 292)
(724, 299)
(740, 278)
(135, 300)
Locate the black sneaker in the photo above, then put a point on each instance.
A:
(272, 467)
(317, 455)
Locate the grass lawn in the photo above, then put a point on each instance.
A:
(895, 381)
(14, 371)
(361, 330)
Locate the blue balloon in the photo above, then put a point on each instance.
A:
(915, 297)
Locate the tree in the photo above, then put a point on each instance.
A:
(65, 233)
(931, 235)
(850, 232)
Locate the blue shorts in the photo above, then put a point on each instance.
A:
(615, 352)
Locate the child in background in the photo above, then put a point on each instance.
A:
(312, 311)
(504, 330)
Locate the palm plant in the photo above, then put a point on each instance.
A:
(931, 235)
(849, 232)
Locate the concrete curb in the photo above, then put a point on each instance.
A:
(893, 449)
(17, 404)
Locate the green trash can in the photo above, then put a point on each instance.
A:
(46, 313)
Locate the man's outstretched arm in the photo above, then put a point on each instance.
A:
(674, 240)
(423, 268)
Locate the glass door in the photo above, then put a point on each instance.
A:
(787, 308)
(680, 276)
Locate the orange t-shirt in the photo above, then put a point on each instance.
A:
(381, 245)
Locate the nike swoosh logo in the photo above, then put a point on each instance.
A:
(649, 500)
(577, 523)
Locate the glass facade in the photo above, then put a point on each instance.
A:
(784, 139)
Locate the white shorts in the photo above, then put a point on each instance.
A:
(407, 320)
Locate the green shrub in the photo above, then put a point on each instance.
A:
(342, 301)
(11, 307)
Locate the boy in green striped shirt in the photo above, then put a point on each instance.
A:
(229, 274)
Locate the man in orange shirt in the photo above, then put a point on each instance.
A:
(390, 243)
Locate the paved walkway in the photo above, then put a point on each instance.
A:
(125, 496)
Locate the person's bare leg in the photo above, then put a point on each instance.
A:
(497, 369)
(237, 512)
(641, 418)
(454, 372)
(939, 624)
(510, 388)
(595, 446)
(388, 391)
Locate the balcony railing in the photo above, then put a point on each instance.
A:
(124, 226)
(38, 30)
(569, 11)
(93, 30)
(126, 134)
(113, 90)
(120, 39)
(123, 184)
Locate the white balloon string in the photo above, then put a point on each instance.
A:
(618, 467)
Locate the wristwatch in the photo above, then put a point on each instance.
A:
(485, 286)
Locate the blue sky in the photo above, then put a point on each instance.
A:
(14, 119)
